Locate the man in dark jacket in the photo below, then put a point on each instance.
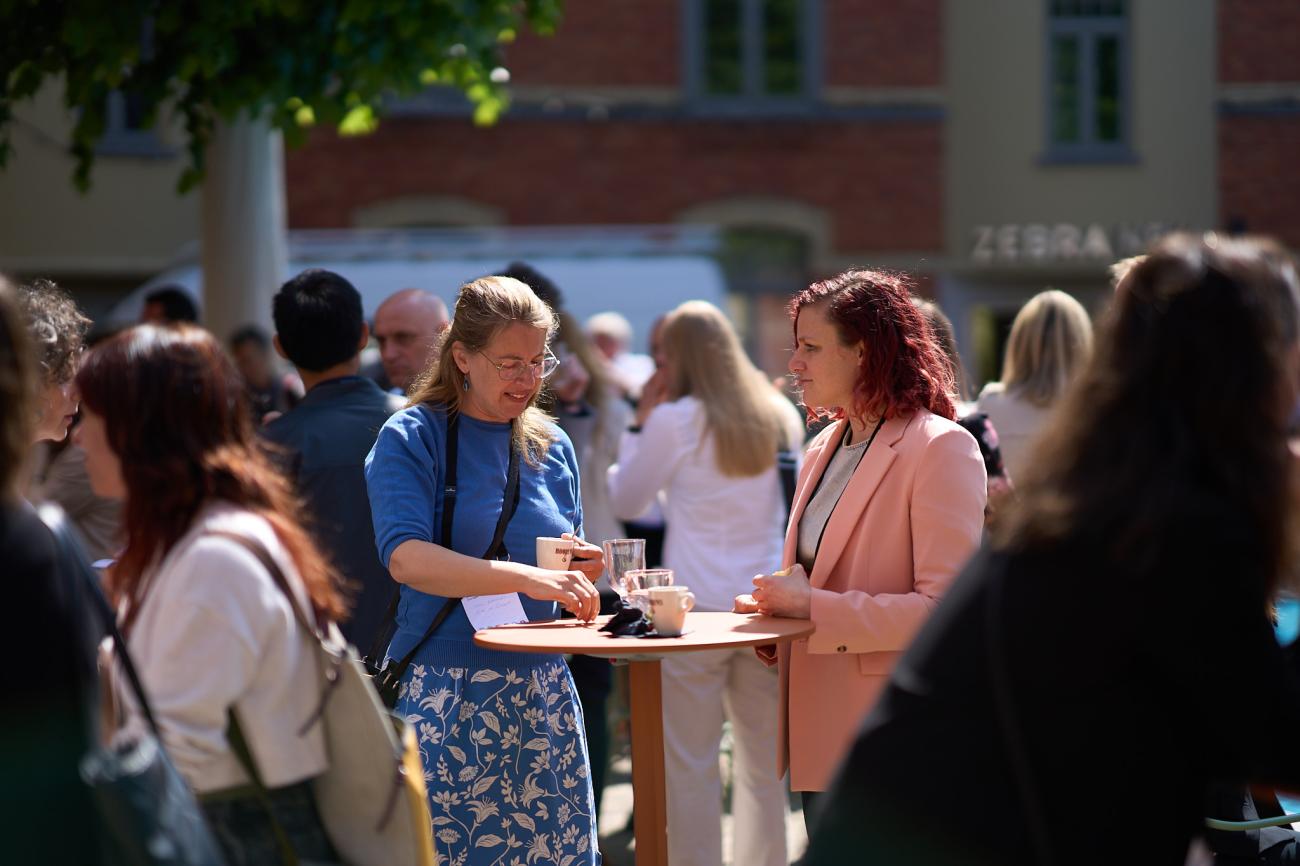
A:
(321, 331)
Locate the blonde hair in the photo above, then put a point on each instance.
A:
(706, 361)
(1051, 340)
(483, 308)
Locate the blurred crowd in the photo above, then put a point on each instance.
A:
(1042, 609)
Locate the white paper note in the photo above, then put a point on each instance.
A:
(486, 611)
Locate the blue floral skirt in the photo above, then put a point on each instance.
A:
(505, 761)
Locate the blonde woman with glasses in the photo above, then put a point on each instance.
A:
(708, 430)
(462, 482)
(1050, 342)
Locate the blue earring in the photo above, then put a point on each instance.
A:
(466, 386)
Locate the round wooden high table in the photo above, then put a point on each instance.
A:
(704, 631)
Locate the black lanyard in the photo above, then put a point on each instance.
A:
(839, 441)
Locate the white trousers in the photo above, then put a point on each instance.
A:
(699, 688)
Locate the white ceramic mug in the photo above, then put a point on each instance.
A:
(554, 553)
(668, 608)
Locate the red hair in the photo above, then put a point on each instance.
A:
(903, 368)
(176, 417)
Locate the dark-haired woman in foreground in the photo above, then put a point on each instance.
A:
(888, 507)
(1111, 655)
(166, 428)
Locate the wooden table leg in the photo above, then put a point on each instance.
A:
(648, 792)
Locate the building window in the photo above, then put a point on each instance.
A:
(753, 51)
(1087, 80)
(125, 132)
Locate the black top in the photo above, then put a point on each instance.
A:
(329, 435)
(1131, 689)
(48, 683)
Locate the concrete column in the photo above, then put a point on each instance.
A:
(245, 247)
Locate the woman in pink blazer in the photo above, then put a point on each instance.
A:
(889, 505)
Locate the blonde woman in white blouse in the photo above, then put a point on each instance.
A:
(709, 427)
(1051, 340)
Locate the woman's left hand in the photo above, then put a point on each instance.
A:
(786, 593)
(587, 558)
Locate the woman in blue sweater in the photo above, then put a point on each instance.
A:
(461, 484)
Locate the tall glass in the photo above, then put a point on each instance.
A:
(621, 556)
(638, 580)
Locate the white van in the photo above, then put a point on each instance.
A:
(639, 271)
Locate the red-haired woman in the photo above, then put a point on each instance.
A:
(217, 644)
(889, 505)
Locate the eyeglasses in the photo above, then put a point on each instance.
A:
(512, 370)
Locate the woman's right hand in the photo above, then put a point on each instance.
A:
(571, 589)
(653, 392)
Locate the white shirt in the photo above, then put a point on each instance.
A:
(215, 631)
(1017, 423)
(721, 530)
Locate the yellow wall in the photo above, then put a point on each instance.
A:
(127, 226)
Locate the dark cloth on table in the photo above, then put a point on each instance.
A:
(1136, 685)
(328, 436)
(49, 688)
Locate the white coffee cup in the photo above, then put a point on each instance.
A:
(668, 608)
(554, 553)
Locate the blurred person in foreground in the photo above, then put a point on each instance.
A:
(217, 645)
(709, 426)
(408, 325)
(270, 392)
(320, 329)
(889, 506)
(1050, 342)
(611, 332)
(46, 812)
(474, 414)
(1110, 656)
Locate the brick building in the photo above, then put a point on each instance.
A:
(992, 147)
(813, 132)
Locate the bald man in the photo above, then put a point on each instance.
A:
(407, 326)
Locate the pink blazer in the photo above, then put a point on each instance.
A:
(910, 517)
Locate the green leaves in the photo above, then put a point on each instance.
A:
(330, 62)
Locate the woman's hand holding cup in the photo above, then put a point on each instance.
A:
(571, 589)
(563, 577)
(587, 558)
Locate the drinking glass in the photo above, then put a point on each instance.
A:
(621, 556)
(637, 580)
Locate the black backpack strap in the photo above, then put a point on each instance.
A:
(449, 477)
